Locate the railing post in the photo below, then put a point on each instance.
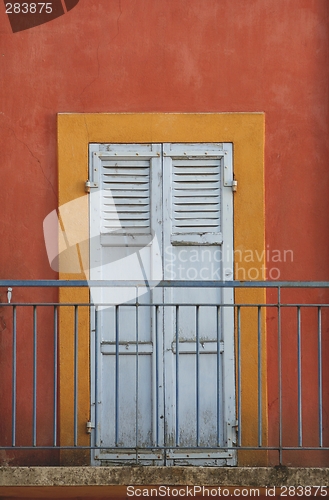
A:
(260, 386)
(299, 379)
(14, 377)
(280, 375)
(117, 387)
(55, 372)
(320, 376)
(239, 379)
(177, 375)
(197, 376)
(34, 417)
(96, 347)
(76, 368)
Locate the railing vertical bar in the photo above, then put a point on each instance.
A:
(75, 388)
(239, 378)
(116, 375)
(260, 388)
(320, 408)
(177, 375)
(96, 377)
(14, 379)
(299, 374)
(280, 374)
(156, 347)
(219, 378)
(137, 368)
(197, 376)
(34, 418)
(55, 372)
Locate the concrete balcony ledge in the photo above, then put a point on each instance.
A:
(112, 482)
(107, 476)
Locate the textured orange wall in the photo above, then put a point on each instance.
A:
(178, 55)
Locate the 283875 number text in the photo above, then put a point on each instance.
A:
(29, 8)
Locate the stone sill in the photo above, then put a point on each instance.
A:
(111, 482)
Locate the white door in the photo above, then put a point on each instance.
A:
(162, 371)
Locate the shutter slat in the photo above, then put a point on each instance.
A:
(197, 215)
(120, 201)
(184, 200)
(196, 222)
(128, 163)
(133, 194)
(195, 178)
(129, 210)
(199, 208)
(121, 180)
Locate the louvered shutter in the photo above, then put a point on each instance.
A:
(197, 171)
(126, 207)
(182, 194)
(125, 177)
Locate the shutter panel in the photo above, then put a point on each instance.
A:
(196, 193)
(123, 173)
(196, 196)
(126, 203)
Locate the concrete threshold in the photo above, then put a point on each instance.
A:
(112, 482)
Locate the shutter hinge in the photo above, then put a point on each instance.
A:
(89, 185)
(221, 346)
(231, 183)
(89, 426)
(232, 429)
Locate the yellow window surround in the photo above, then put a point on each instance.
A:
(246, 132)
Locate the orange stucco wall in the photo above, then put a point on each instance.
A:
(173, 56)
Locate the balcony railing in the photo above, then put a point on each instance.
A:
(54, 382)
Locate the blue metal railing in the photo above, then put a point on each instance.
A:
(297, 323)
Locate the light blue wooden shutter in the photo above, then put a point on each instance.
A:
(197, 171)
(196, 197)
(127, 205)
(123, 175)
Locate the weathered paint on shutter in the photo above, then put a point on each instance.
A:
(127, 247)
(151, 393)
(198, 341)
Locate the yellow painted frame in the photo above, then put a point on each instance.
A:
(246, 132)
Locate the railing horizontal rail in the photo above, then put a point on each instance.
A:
(163, 283)
(150, 448)
(160, 304)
